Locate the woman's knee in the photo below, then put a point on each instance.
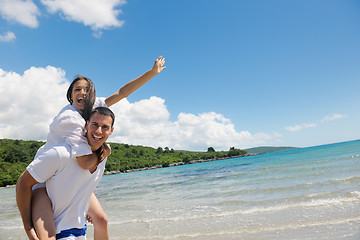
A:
(101, 219)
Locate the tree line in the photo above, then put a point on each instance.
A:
(15, 156)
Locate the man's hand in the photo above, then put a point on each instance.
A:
(89, 219)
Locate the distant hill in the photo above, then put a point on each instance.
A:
(266, 149)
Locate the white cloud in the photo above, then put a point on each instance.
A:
(23, 12)
(328, 118)
(333, 117)
(300, 127)
(98, 14)
(7, 37)
(30, 101)
(147, 123)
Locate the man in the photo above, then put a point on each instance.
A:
(68, 185)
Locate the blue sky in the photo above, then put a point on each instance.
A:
(239, 73)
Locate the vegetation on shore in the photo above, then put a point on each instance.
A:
(15, 156)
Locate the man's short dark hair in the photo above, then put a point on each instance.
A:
(104, 111)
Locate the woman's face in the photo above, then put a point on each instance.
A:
(79, 93)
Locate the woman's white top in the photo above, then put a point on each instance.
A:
(69, 127)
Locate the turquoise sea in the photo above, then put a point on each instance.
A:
(308, 194)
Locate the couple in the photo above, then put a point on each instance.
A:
(71, 165)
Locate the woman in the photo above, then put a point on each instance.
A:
(69, 126)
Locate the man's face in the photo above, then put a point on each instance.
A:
(98, 130)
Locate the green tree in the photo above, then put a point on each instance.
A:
(235, 152)
(211, 149)
(186, 159)
(159, 150)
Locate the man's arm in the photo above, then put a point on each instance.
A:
(23, 199)
(130, 87)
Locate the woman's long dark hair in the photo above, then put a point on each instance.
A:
(90, 96)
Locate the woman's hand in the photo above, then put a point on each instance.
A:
(107, 149)
(159, 65)
(103, 152)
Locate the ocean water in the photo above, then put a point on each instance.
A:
(310, 193)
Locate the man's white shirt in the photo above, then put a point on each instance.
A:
(69, 187)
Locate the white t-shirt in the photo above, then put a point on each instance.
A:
(69, 126)
(68, 185)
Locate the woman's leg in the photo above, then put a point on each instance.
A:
(42, 215)
(99, 219)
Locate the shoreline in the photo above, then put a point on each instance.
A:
(161, 166)
(8, 186)
(177, 164)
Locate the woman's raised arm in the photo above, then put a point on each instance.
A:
(133, 85)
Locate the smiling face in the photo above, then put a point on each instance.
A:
(79, 93)
(99, 128)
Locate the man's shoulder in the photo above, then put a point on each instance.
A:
(51, 160)
(63, 149)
